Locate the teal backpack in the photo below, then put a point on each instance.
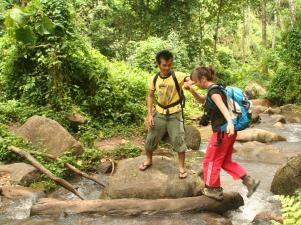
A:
(238, 105)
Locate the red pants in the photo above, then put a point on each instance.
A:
(220, 156)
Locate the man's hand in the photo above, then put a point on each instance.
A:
(188, 85)
(150, 120)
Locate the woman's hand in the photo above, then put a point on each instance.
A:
(230, 129)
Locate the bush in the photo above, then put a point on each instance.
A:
(291, 209)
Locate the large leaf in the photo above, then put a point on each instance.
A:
(25, 35)
(15, 16)
(46, 26)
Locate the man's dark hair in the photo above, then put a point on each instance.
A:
(165, 54)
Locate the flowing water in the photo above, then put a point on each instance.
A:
(17, 212)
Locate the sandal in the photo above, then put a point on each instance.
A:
(182, 175)
(144, 167)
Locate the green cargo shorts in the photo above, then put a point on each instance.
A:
(173, 125)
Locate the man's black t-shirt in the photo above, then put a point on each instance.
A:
(216, 117)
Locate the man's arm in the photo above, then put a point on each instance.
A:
(149, 102)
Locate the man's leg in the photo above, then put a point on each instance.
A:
(181, 156)
(154, 136)
(176, 132)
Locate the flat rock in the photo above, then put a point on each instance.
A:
(49, 134)
(254, 134)
(159, 181)
(18, 173)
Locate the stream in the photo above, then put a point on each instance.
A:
(17, 213)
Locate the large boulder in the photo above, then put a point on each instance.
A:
(288, 178)
(259, 152)
(192, 137)
(49, 134)
(260, 135)
(18, 173)
(255, 89)
(159, 181)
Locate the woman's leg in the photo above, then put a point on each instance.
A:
(232, 168)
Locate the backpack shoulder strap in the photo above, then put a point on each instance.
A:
(180, 93)
(155, 79)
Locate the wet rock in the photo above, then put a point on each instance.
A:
(294, 119)
(16, 201)
(159, 181)
(278, 118)
(254, 134)
(49, 134)
(255, 118)
(257, 109)
(265, 218)
(278, 125)
(214, 219)
(16, 192)
(18, 173)
(271, 111)
(288, 178)
(261, 102)
(288, 108)
(259, 152)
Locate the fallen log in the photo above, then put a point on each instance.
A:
(41, 168)
(135, 207)
(83, 174)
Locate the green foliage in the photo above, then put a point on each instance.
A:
(144, 52)
(286, 84)
(126, 151)
(291, 209)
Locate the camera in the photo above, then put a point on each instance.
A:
(204, 121)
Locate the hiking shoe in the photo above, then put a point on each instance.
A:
(251, 185)
(214, 192)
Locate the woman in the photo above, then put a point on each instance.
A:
(220, 147)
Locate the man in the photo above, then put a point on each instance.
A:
(168, 115)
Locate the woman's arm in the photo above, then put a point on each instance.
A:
(217, 99)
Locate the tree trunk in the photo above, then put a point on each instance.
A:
(275, 26)
(264, 31)
(244, 32)
(135, 207)
(221, 2)
(292, 9)
(264, 23)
